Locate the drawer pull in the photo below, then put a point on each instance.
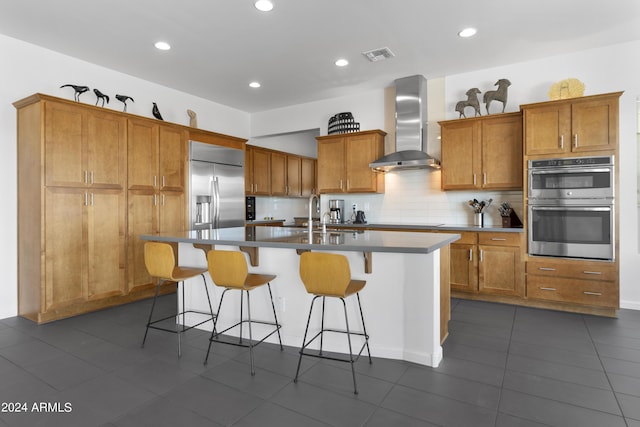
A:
(592, 272)
(498, 239)
(546, 269)
(598, 294)
(548, 289)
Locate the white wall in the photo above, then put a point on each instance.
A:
(28, 69)
(414, 196)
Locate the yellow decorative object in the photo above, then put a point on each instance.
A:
(567, 88)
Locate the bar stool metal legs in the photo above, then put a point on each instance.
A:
(250, 344)
(351, 360)
(179, 328)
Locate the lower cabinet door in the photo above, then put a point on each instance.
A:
(500, 270)
(463, 271)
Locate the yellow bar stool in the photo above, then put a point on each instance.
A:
(160, 260)
(229, 270)
(328, 275)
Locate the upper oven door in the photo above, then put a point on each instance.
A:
(571, 183)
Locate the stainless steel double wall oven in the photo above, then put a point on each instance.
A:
(571, 207)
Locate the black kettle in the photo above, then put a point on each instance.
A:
(360, 218)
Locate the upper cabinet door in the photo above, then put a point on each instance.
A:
(360, 151)
(107, 144)
(172, 158)
(331, 177)
(308, 176)
(64, 146)
(547, 129)
(460, 154)
(142, 148)
(502, 153)
(594, 125)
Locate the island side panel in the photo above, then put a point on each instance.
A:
(398, 302)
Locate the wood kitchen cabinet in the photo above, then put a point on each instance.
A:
(343, 162)
(487, 263)
(586, 283)
(308, 181)
(90, 181)
(482, 153)
(276, 173)
(279, 169)
(574, 125)
(71, 209)
(257, 171)
(156, 197)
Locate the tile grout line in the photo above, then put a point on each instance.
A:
(504, 372)
(606, 374)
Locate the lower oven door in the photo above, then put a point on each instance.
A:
(572, 231)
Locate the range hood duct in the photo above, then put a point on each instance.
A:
(411, 123)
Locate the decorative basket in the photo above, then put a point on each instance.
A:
(342, 123)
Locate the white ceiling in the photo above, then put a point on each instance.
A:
(219, 46)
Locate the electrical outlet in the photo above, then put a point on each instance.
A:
(354, 208)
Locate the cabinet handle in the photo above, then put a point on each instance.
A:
(484, 178)
(546, 269)
(592, 272)
(481, 255)
(547, 289)
(155, 181)
(341, 184)
(92, 203)
(86, 181)
(163, 200)
(86, 199)
(470, 255)
(91, 177)
(498, 239)
(562, 142)
(597, 294)
(575, 141)
(474, 179)
(256, 188)
(155, 200)
(162, 181)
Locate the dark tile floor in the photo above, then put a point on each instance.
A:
(503, 366)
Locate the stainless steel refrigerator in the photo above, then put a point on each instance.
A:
(216, 189)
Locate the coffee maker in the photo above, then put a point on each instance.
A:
(336, 211)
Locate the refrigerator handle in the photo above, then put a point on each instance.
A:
(216, 191)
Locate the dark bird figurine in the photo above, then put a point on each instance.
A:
(124, 99)
(100, 97)
(79, 90)
(156, 112)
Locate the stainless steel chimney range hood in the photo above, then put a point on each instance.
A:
(411, 122)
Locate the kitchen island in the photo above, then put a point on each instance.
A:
(405, 310)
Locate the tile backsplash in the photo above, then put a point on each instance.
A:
(411, 197)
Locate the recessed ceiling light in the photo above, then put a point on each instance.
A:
(263, 5)
(467, 32)
(254, 84)
(162, 46)
(342, 62)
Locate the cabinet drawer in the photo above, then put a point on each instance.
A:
(588, 292)
(574, 269)
(502, 239)
(466, 238)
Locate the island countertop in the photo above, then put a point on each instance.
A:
(298, 238)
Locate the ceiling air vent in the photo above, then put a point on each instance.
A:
(378, 54)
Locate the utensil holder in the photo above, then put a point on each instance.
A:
(478, 219)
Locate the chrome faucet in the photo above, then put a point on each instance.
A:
(310, 220)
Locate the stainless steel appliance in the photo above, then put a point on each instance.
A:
(336, 211)
(250, 208)
(216, 186)
(571, 207)
(571, 178)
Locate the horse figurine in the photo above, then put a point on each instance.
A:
(497, 95)
(472, 101)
